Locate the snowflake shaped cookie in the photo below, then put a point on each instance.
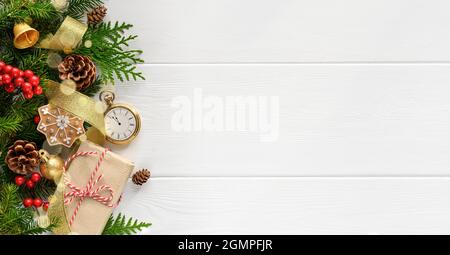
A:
(60, 126)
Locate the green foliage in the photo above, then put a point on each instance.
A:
(113, 60)
(36, 60)
(94, 88)
(16, 119)
(122, 226)
(14, 218)
(27, 109)
(9, 124)
(109, 51)
(16, 11)
(78, 8)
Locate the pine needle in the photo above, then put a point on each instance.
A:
(78, 8)
(122, 226)
(10, 124)
(14, 218)
(109, 51)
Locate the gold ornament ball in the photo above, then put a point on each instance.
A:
(51, 166)
(55, 166)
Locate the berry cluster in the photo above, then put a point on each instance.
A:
(37, 202)
(12, 79)
(31, 183)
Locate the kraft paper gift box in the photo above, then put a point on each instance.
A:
(93, 215)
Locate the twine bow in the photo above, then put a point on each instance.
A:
(89, 191)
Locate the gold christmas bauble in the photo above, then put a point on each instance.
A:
(51, 166)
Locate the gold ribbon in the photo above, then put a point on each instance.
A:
(57, 210)
(69, 99)
(67, 37)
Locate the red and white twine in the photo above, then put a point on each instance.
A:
(89, 191)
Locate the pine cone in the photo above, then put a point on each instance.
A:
(141, 177)
(22, 157)
(97, 15)
(79, 69)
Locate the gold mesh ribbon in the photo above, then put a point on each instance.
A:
(57, 210)
(69, 99)
(67, 37)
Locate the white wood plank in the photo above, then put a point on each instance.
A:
(210, 31)
(335, 120)
(292, 205)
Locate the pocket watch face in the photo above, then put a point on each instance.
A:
(122, 124)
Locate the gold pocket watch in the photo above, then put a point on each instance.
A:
(122, 121)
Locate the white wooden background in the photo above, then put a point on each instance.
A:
(364, 88)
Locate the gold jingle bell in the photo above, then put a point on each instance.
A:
(51, 166)
(25, 36)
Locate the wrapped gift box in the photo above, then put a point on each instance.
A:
(92, 215)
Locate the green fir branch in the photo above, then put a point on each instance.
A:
(8, 52)
(10, 124)
(78, 8)
(16, 11)
(40, 10)
(122, 226)
(14, 218)
(27, 109)
(109, 51)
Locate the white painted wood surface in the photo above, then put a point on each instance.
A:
(364, 92)
(211, 31)
(292, 205)
(335, 120)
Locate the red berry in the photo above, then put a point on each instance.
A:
(6, 78)
(30, 184)
(36, 119)
(38, 90)
(37, 202)
(35, 177)
(20, 180)
(2, 64)
(21, 73)
(27, 202)
(7, 69)
(45, 206)
(34, 80)
(28, 74)
(19, 82)
(28, 95)
(9, 88)
(15, 72)
(26, 87)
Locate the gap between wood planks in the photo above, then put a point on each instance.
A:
(302, 63)
(430, 178)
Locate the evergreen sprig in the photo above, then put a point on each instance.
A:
(14, 218)
(78, 8)
(39, 10)
(122, 226)
(9, 124)
(109, 51)
(16, 11)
